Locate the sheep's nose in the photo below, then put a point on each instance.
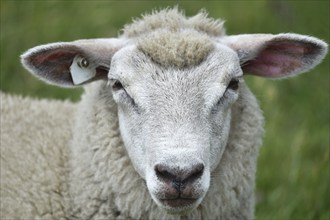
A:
(179, 178)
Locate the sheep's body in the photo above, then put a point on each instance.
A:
(102, 181)
(34, 149)
(72, 161)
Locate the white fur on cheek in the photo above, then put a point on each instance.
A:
(134, 147)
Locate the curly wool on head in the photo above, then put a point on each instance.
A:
(169, 38)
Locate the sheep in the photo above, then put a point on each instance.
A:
(166, 127)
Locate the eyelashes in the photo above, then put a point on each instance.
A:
(229, 96)
(117, 86)
(121, 94)
(233, 85)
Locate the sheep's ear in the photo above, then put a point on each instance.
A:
(74, 63)
(277, 56)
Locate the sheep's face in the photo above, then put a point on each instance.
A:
(175, 122)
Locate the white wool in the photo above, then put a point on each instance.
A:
(174, 20)
(34, 135)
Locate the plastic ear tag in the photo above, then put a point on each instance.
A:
(81, 70)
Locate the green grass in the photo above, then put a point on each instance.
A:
(293, 170)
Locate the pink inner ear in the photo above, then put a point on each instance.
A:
(58, 58)
(53, 64)
(278, 59)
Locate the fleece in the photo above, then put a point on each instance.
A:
(34, 140)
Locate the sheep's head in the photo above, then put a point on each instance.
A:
(175, 113)
(175, 122)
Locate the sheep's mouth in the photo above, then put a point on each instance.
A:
(179, 205)
(178, 202)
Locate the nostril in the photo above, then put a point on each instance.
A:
(163, 172)
(195, 173)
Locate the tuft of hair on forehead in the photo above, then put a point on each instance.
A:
(170, 38)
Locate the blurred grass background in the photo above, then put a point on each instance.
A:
(293, 170)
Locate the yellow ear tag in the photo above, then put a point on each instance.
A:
(81, 70)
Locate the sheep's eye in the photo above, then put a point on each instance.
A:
(117, 86)
(233, 85)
